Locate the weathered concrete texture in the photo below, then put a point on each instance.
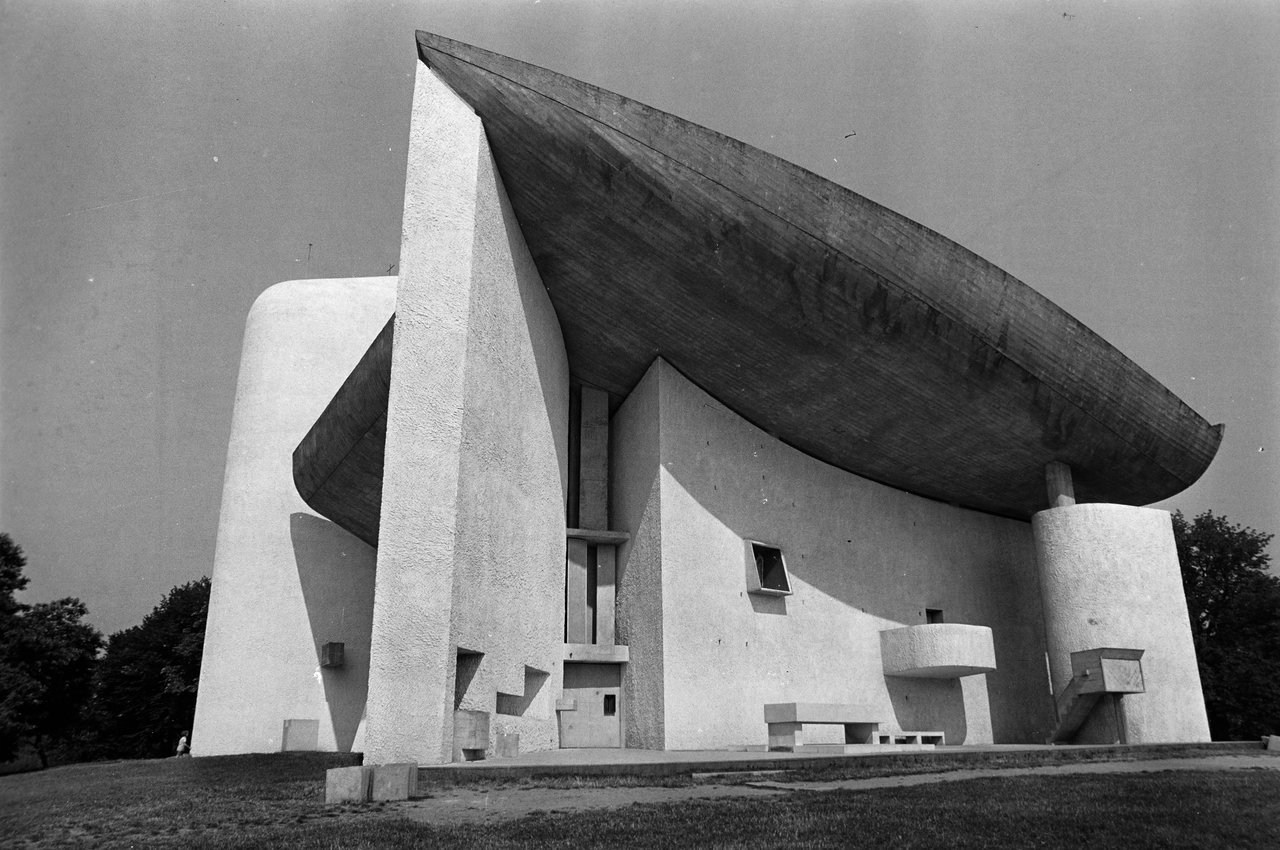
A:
(975, 697)
(349, 784)
(863, 558)
(300, 735)
(471, 544)
(847, 330)
(394, 781)
(286, 581)
(593, 489)
(636, 507)
(937, 651)
(338, 466)
(1109, 577)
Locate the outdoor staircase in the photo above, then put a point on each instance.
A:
(1074, 708)
(1094, 672)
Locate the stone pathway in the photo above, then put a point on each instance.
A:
(454, 805)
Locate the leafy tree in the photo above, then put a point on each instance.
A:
(11, 578)
(58, 651)
(146, 682)
(16, 688)
(1234, 605)
(47, 655)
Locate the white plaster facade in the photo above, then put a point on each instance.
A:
(1109, 576)
(472, 547)
(692, 480)
(471, 551)
(937, 651)
(286, 581)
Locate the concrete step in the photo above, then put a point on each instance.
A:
(1074, 708)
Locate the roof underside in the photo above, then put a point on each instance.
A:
(844, 329)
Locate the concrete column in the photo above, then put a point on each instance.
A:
(593, 488)
(1057, 479)
(606, 592)
(577, 622)
(1109, 577)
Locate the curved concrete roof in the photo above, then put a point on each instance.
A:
(846, 330)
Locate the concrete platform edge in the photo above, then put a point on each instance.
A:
(688, 763)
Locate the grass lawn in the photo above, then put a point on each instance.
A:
(275, 801)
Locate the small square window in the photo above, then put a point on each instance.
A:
(933, 615)
(767, 570)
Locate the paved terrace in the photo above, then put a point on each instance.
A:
(655, 763)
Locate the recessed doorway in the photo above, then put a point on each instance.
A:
(589, 712)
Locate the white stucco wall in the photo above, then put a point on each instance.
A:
(937, 651)
(1110, 578)
(636, 507)
(471, 542)
(286, 581)
(862, 557)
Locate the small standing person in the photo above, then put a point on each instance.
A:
(184, 745)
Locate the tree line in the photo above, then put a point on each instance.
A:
(1234, 605)
(67, 694)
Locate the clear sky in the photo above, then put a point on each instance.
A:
(163, 163)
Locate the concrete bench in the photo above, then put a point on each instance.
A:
(786, 720)
(917, 738)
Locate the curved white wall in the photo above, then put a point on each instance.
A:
(285, 581)
(691, 480)
(1109, 577)
(937, 651)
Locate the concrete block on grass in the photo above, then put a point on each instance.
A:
(347, 784)
(395, 781)
(1271, 742)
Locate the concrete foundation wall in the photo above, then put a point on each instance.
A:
(471, 544)
(1110, 578)
(862, 557)
(286, 581)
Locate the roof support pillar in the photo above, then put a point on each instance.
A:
(1057, 479)
(593, 488)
